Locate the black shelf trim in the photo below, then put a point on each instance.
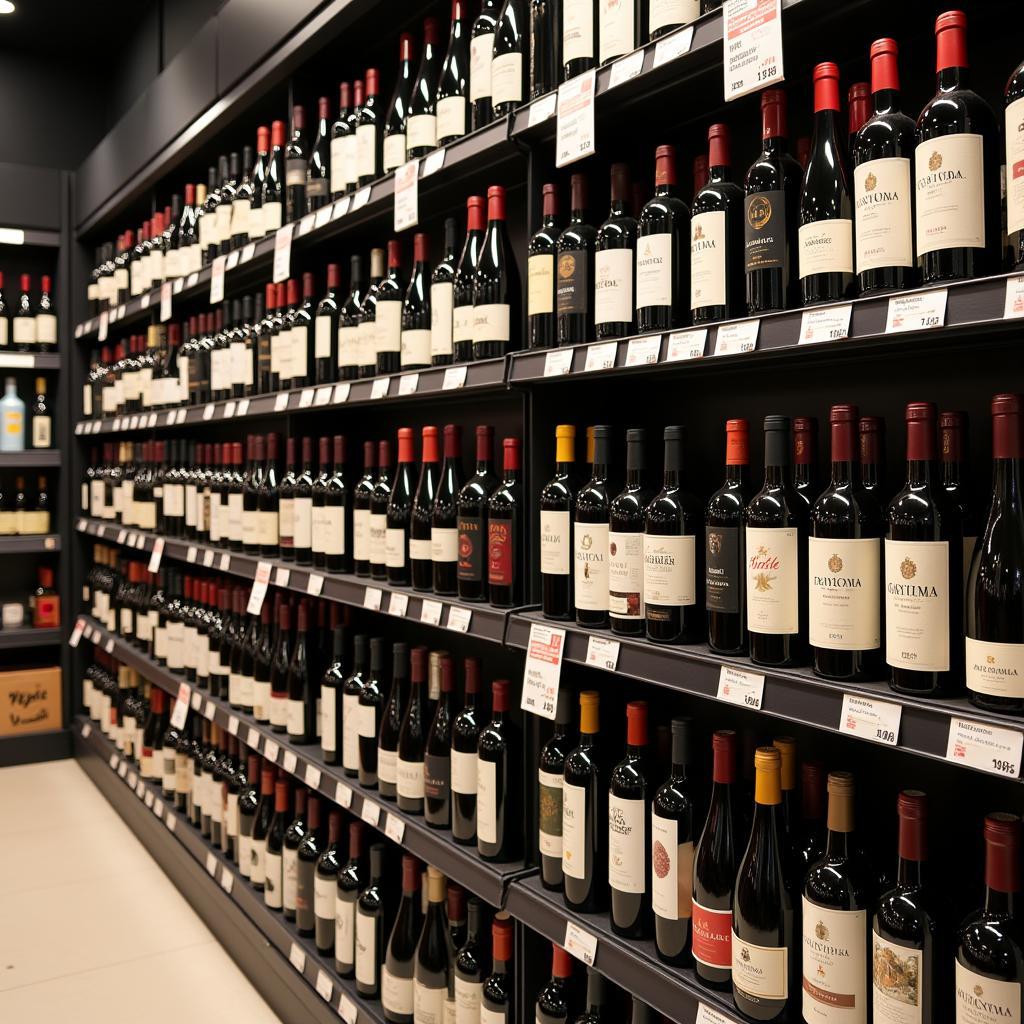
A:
(29, 361)
(22, 639)
(30, 458)
(30, 543)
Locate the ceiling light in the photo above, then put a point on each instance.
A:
(6, 7)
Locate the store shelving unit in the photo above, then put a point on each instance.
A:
(23, 639)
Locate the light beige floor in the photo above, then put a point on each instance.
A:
(91, 929)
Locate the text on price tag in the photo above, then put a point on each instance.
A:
(601, 357)
(917, 312)
(643, 351)
(575, 133)
(735, 339)
(259, 588)
(581, 944)
(459, 618)
(738, 687)
(454, 378)
(686, 345)
(407, 179)
(829, 324)
(752, 36)
(558, 362)
(868, 719)
(394, 828)
(430, 613)
(399, 604)
(603, 652)
(282, 253)
(156, 555)
(986, 747)
(542, 670)
(1013, 307)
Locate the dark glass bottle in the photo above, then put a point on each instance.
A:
(498, 793)
(325, 329)
(615, 254)
(508, 65)
(625, 543)
(379, 501)
(349, 351)
(301, 725)
(361, 494)
(351, 689)
(399, 511)
(371, 704)
(391, 723)
(495, 285)
(471, 962)
(395, 122)
(453, 83)
(371, 926)
(465, 737)
(557, 508)
(590, 537)
(307, 855)
(555, 1000)
(397, 984)
(325, 887)
(465, 275)
(331, 701)
(432, 978)
(387, 333)
(584, 813)
(318, 166)
(504, 528)
(544, 69)
(579, 38)
(444, 516)
(416, 315)
(442, 298)
(273, 864)
(295, 157)
(805, 459)
(293, 837)
(421, 122)
(369, 131)
(412, 738)
(351, 879)
(550, 780)
(421, 516)
(472, 520)
(481, 56)
(437, 756)
(540, 263)
(497, 1002)
(574, 270)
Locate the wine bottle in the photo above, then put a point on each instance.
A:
(399, 511)
(590, 538)
(508, 60)
(776, 546)
(550, 779)
(351, 877)
(318, 166)
(465, 277)
(1014, 132)
(307, 855)
(379, 501)
(504, 515)
(268, 502)
(923, 572)
(371, 703)
(366, 334)
(391, 723)
(883, 200)
(350, 342)
(442, 299)
(421, 515)
(325, 329)
(557, 508)
(584, 812)
(805, 459)
(956, 168)
(301, 702)
(495, 285)
(293, 836)
(343, 142)
(302, 508)
(444, 531)
(361, 495)
(469, 965)
(579, 37)
(627, 515)
(371, 919)
(331, 700)
(397, 978)
(995, 590)
(433, 966)
(810, 841)
(953, 446)
(395, 121)
(351, 689)
(263, 815)
(412, 738)
(543, 48)
(481, 56)
(465, 740)
(555, 999)
(613, 263)
(437, 757)
(540, 263)
(596, 1002)
(762, 917)
(826, 215)
(574, 261)
(453, 83)
(497, 997)
(369, 131)
(325, 887)
(273, 869)
(472, 520)
(295, 157)
(387, 330)
(421, 123)
(497, 796)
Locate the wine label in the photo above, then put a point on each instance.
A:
(444, 544)
(540, 284)
(467, 1000)
(322, 337)
(550, 813)
(826, 247)
(761, 972)
(764, 231)
(294, 174)
(487, 800)
(471, 543)
(367, 721)
(984, 1000)
(613, 285)
(394, 547)
(429, 1003)
(361, 534)
(366, 349)
(773, 580)
(712, 936)
(410, 779)
(834, 965)
(507, 78)
(366, 150)
(667, 13)
(437, 773)
(462, 323)
(350, 731)
(396, 994)
(387, 765)
(421, 131)
(332, 518)
(578, 30)
(897, 982)
(394, 152)
(707, 259)
(950, 189)
(339, 168)
(325, 891)
(843, 579)
(273, 217)
(572, 292)
(491, 322)
(917, 605)
(590, 561)
(481, 56)
(883, 214)
(366, 948)
(46, 328)
(302, 524)
(296, 715)
(489, 1016)
(388, 332)
(722, 573)
(501, 555)
(554, 543)
(996, 669)
(344, 930)
(273, 884)
(464, 772)
(451, 117)
(378, 531)
(442, 298)
(671, 870)
(654, 270)
(1014, 135)
(625, 575)
(616, 29)
(669, 566)
(574, 826)
(626, 844)
(266, 528)
(328, 718)
(286, 520)
(257, 860)
(348, 346)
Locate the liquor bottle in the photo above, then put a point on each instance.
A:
(923, 572)
(776, 545)
(495, 285)
(844, 565)
(387, 333)
(672, 611)
(1014, 128)
(557, 509)
(543, 48)
(273, 864)
(762, 916)
(508, 62)
(579, 37)
(442, 299)
(584, 812)
(956, 168)
(481, 56)
(295, 157)
(433, 961)
(351, 689)
(826, 215)
(399, 510)
(371, 910)
(325, 329)
(391, 723)
(397, 985)
(351, 877)
(472, 520)
(453, 83)
(555, 999)
(574, 262)
(995, 601)
(12, 418)
(437, 755)
(379, 501)
(504, 516)
(415, 336)
(318, 166)
(361, 494)
(465, 277)
(368, 131)
(395, 122)
(412, 739)
(591, 539)
(550, 778)
(371, 704)
(540, 319)
(465, 739)
(613, 263)
(883, 201)
(331, 697)
(421, 122)
(837, 893)
(662, 265)
(771, 214)
(498, 995)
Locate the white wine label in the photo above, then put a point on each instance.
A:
(462, 323)
(760, 971)
(917, 605)
(325, 891)
(344, 930)
(995, 669)
(487, 801)
(467, 1001)
(554, 543)
(489, 1016)
(396, 994)
(415, 347)
(613, 286)
(328, 718)
(366, 150)
(884, 214)
(491, 322)
(625, 575)
(444, 544)
(550, 813)
(950, 190)
(773, 580)
(590, 560)
(481, 56)
(834, 965)
(843, 593)
(451, 117)
(826, 247)
(626, 844)
(394, 548)
(350, 731)
(574, 803)
(377, 532)
(322, 337)
(367, 721)
(442, 297)
(422, 131)
(983, 1000)
(419, 551)
(429, 1004)
(540, 284)
(578, 30)
(410, 779)
(707, 259)
(394, 152)
(507, 78)
(654, 270)
(338, 168)
(897, 982)
(464, 772)
(366, 949)
(273, 885)
(664, 13)
(616, 29)
(669, 570)
(1015, 166)
(387, 765)
(388, 331)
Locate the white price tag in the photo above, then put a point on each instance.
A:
(315, 584)
(282, 253)
(738, 687)
(708, 1015)
(232, 725)
(252, 739)
(225, 563)
(104, 322)
(109, 646)
(208, 411)
(271, 750)
(144, 303)
(290, 762)
(166, 292)
(312, 776)
(227, 880)
(229, 410)
(581, 944)
(918, 312)
(151, 422)
(281, 401)
(361, 198)
(259, 588)
(193, 279)
(217, 280)
(987, 747)
(575, 133)
(433, 162)
(394, 828)
(305, 225)
(86, 730)
(868, 719)
(113, 761)
(601, 357)
(829, 324)
(248, 252)
(324, 985)
(233, 258)
(158, 807)
(208, 556)
(305, 398)
(408, 383)
(121, 534)
(343, 795)
(543, 669)
(297, 957)
(752, 38)
(341, 392)
(643, 351)
(197, 701)
(243, 408)
(1013, 308)
(603, 652)
(179, 286)
(558, 362)
(156, 555)
(459, 618)
(407, 179)
(323, 396)
(454, 378)
(340, 208)
(209, 711)
(626, 68)
(543, 108)
(399, 603)
(76, 634)
(379, 388)
(673, 46)
(430, 613)
(190, 555)
(372, 598)
(370, 812)
(132, 779)
(734, 339)
(170, 821)
(347, 1009)
(322, 217)
(211, 864)
(282, 576)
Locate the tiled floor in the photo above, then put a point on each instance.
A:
(91, 929)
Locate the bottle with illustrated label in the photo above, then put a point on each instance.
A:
(387, 331)
(412, 737)
(308, 853)
(844, 565)
(421, 514)
(995, 585)
(504, 526)
(391, 723)
(495, 285)
(497, 998)
(508, 62)
(350, 689)
(421, 123)
(557, 508)
(465, 277)
(498, 798)
(444, 516)
(437, 757)
(472, 520)
(481, 56)
(579, 37)
(471, 964)
(465, 737)
(351, 879)
(584, 814)
(1014, 138)
(882, 153)
(273, 860)
(590, 549)
(371, 705)
(574, 269)
(672, 562)
(771, 214)
(957, 208)
(626, 519)
(399, 512)
(453, 83)
(540, 262)
(325, 886)
(614, 260)
(990, 945)
(433, 967)
(716, 238)
(395, 121)
(380, 497)
(555, 1001)
(764, 956)
(776, 550)
(415, 351)
(838, 895)
(373, 923)
(550, 780)
(662, 262)
(923, 572)
(442, 299)
(397, 977)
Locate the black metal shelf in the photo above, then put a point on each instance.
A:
(227, 882)
(21, 639)
(30, 458)
(38, 237)
(29, 543)
(29, 361)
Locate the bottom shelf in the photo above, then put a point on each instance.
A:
(332, 996)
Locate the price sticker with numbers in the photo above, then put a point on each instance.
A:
(986, 747)
(558, 362)
(708, 1015)
(372, 598)
(454, 378)
(253, 739)
(430, 613)
(736, 339)
(686, 345)
(876, 720)
(752, 36)
(181, 705)
(543, 669)
(314, 584)
(306, 398)
(343, 795)
(407, 212)
(738, 687)
(580, 943)
(271, 750)
(626, 68)
(602, 356)
(282, 576)
(575, 131)
(379, 387)
(603, 652)
(832, 323)
(217, 279)
(398, 604)
(408, 383)
(259, 588)
(918, 312)
(1013, 306)
(459, 618)
(643, 351)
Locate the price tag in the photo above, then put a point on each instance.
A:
(734, 339)
(542, 109)
(459, 618)
(673, 46)
(208, 557)
(243, 407)
(290, 762)
(312, 776)
(282, 576)
(340, 208)
(208, 411)
(305, 225)
(876, 720)
(156, 555)
(209, 711)
(601, 357)
(370, 812)
(211, 864)
(575, 132)
(122, 769)
(430, 613)
(379, 388)
(109, 646)
(341, 392)
(158, 807)
(225, 563)
(232, 725)
(132, 780)
(113, 762)
(323, 216)
(259, 588)
(271, 750)
(581, 944)
(707, 1015)
(144, 303)
(558, 362)
(343, 795)
(398, 604)
(407, 195)
(166, 291)
(229, 410)
(151, 422)
(324, 985)
(643, 351)
(121, 534)
(315, 584)
(394, 828)
(190, 555)
(361, 198)
(227, 880)
(104, 322)
(170, 821)
(217, 280)
(347, 1009)
(829, 324)
(323, 397)
(193, 279)
(197, 701)
(987, 747)
(738, 687)
(752, 37)
(918, 312)
(179, 286)
(252, 739)
(306, 398)
(248, 252)
(626, 68)
(76, 634)
(603, 652)
(297, 957)
(408, 383)
(372, 598)
(86, 730)
(233, 259)
(1013, 308)
(433, 163)
(281, 401)
(543, 670)
(454, 378)
(282, 253)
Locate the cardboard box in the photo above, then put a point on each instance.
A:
(30, 701)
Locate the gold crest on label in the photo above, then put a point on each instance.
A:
(586, 542)
(745, 955)
(566, 265)
(714, 542)
(821, 932)
(759, 212)
(908, 568)
(870, 182)
(835, 564)
(698, 232)
(934, 161)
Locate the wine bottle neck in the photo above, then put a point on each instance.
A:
(718, 173)
(735, 474)
(634, 479)
(774, 146)
(842, 473)
(774, 476)
(909, 873)
(1006, 480)
(837, 845)
(887, 101)
(919, 471)
(1000, 903)
(952, 78)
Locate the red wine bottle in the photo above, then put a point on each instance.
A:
(352, 877)
(481, 55)
(349, 347)
(497, 998)
(396, 119)
(584, 812)
(343, 143)
(331, 684)
(453, 83)
(325, 887)
(465, 276)
(579, 37)
(504, 528)
(555, 999)
(540, 312)
(805, 459)
(465, 737)
(372, 921)
(444, 531)
(387, 332)
(495, 285)
(613, 263)
(379, 500)
(574, 263)
(399, 509)
(420, 529)
(550, 779)
(1014, 130)
(351, 689)
(497, 798)
(366, 334)
(391, 723)
(442, 300)
(301, 702)
(361, 511)
(325, 329)
(557, 508)
(412, 738)
(433, 966)
(295, 156)
(421, 123)
(415, 351)
(472, 520)
(397, 984)
(437, 756)
(371, 704)
(508, 64)
(626, 543)
(369, 132)
(590, 538)
(318, 166)
(273, 877)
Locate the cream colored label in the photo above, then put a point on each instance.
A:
(625, 575)
(462, 323)
(507, 78)
(422, 131)
(378, 531)
(344, 930)
(981, 1000)
(843, 593)
(486, 800)
(410, 779)
(467, 1001)
(350, 731)
(366, 949)
(444, 544)
(367, 349)
(995, 669)
(464, 773)
(387, 765)
(826, 247)
(419, 549)
(590, 561)
(332, 518)
(760, 971)
(451, 117)
(322, 337)
(773, 580)
(896, 982)
(339, 171)
(626, 844)
(361, 534)
(46, 328)
(671, 870)
(388, 334)
(366, 150)
(616, 33)
(577, 30)
(654, 270)
(491, 322)
(349, 346)
(672, 12)
(707, 259)
(396, 994)
(834, 965)
(481, 55)
(950, 189)
(613, 286)
(394, 548)
(394, 152)
(917, 605)
(883, 214)
(574, 803)
(541, 274)
(429, 1004)
(1015, 166)
(416, 347)
(442, 297)
(554, 543)
(669, 570)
